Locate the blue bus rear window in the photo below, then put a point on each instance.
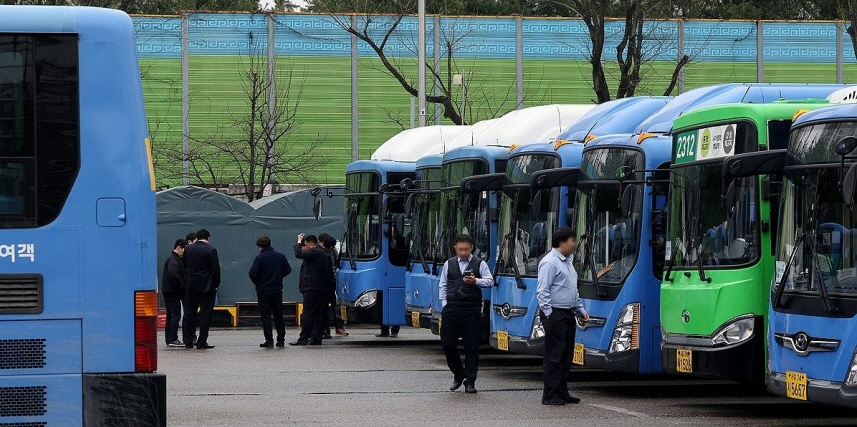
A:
(39, 126)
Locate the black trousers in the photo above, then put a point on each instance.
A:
(465, 322)
(559, 349)
(385, 329)
(312, 320)
(271, 307)
(198, 309)
(174, 316)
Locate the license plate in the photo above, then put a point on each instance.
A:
(796, 385)
(577, 359)
(343, 312)
(502, 340)
(684, 361)
(415, 319)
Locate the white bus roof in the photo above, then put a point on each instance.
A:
(530, 125)
(469, 136)
(411, 144)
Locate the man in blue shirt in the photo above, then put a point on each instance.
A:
(461, 281)
(267, 273)
(559, 303)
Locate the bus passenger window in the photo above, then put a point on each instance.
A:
(39, 126)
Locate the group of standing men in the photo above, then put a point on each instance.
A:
(559, 304)
(189, 279)
(191, 276)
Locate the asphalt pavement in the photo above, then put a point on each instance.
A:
(361, 380)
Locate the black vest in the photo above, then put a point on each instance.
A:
(456, 290)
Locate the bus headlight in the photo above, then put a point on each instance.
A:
(367, 299)
(736, 331)
(851, 378)
(538, 331)
(626, 334)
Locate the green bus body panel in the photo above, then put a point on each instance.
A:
(732, 291)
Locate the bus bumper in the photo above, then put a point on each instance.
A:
(822, 391)
(721, 363)
(125, 399)
(373, 315)
(425, 319)
(520, 345)
(627, 361)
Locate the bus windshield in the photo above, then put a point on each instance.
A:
(468, 214)
(818, 231)
(426, 221)
(612, 237)
(363, 223)
(526, 219)
(700, 230)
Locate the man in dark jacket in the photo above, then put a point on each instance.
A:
(202, 278)
(328, 242)
(315, 282)
(267, 273)
(172, 288)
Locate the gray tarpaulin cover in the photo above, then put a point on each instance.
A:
(234, 227)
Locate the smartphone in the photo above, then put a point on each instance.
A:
(468, 273)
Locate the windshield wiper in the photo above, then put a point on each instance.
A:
(590, 255)
(668, 272)
(822, 287)
(350, 233)
(436, 250)
(779, 292)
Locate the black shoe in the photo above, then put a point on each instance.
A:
(470, 388)
(298, 343)
(394, 335)
(267, 344)
(456, 384)
(554, 401)
(327, 337)
(281, 344)
(189, 346)
(382, 336)
(570, 399)
(204, 346)
(314, 343)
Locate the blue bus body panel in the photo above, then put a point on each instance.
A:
(662, 121)
(614, 117)
(832, 113)
(114, 156)
(378, 274)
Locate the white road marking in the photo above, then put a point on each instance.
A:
(619, 410)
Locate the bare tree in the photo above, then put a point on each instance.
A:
(257, 146)
(631, 51)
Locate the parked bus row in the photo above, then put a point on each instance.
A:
(715, 231)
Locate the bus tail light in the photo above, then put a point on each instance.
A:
(145, 331)
(626, 334)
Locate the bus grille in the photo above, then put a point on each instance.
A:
(22, 354)
(21, 293)
(23, 401)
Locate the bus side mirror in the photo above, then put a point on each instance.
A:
(409, 204)
(626, 201)
(317, 208)
(849, 183)
(623, 173)
(730, 199)
(398, 225)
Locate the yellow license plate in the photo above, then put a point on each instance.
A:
(577, 359)
(343, 312)
(684, 361)
(415, 319)
(796, 385)
(502, 340)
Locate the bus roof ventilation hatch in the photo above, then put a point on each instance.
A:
(846, 95)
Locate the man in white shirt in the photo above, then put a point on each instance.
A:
(461, 283)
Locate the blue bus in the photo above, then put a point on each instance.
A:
(528, 217)
(812, 329)
(374, 251)
(78, 342)
(425, 226)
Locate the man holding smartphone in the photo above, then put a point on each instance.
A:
(461, 281)
(559, 303)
